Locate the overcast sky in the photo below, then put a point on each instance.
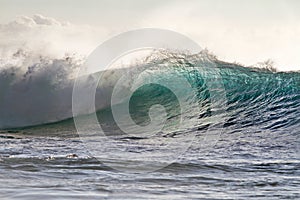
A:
(235, 30)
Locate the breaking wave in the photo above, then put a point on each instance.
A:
(39, 91)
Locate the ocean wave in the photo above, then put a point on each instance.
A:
(38, 91)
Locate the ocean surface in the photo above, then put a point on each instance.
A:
(240, 137)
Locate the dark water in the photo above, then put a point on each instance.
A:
(255, 156)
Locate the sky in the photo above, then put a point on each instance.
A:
(235, 30)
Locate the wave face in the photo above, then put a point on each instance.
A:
(261, 99)
(256, 99)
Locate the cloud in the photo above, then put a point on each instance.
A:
(38, 19)
(41, 20)
(48, 37)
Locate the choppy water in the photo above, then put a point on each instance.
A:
(240, 166)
